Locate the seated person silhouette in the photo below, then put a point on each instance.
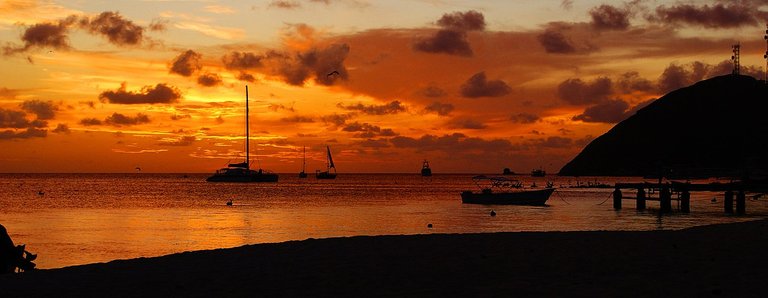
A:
(12, 256)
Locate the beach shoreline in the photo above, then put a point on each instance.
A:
(715, 260)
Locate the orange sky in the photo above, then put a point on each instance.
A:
(472, 86)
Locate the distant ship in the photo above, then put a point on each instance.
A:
(304, 165)
(425, 170)
(538, 173)
(241, 172)
(507, 171)
(329, 165)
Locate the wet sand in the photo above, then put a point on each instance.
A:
(729, 260)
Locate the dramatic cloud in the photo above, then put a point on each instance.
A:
(677, 76)
(452, 40)
(114, 27)
(336, 119)
(209, 79)
(631, 81)
(555, 42)
(463, 21)
(393, 107)
(242, 60)
(53, 35)
(479, 86)
(442, 109)
(117, 119)
(186, 63)
(578, 92)
(30, 132)
(524, 118)
(13, 119)
(161, 93)
(176, 117)
(246, 77)
(433, 91)
(365, 130)
(456, 142)
(45, 110)
(61, 128)
(90, 122)
(732, 15)
(606, 17)
(446, 42)
(324, 65)
(298, 119)
(610, 111)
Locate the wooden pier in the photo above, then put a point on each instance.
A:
(683, 190)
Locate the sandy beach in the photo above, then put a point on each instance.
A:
(726, 260)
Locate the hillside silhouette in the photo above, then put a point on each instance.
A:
(714, 128)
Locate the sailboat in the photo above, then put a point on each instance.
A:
(242, 172)
(425, 170)
(329, 165)
(304, 165)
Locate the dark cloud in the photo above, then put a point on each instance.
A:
(299, 119)
(246, 77)
(52, 35)
(479, 86)
(277, 107)
(606, 17)
(324, 65)
(578, 92)
(45, 110)
(610, 111)
(365, 130)
(306, 135)
(731, 15)
(13, 119)
(8, 93)
(447, 42)
(465, 123)
(442, 109)
(453, 143)
(393, 107)
(117, 119)
(209, 79)
(113, 26)
(463, 21)
(555, 42)
(61, 128)
(631, 81)
(158, 25)
(285, 4)
(30, 132)
(90, 122)
(177, 117)
(182, 141)
(336, 119)
(161, 93)
(186, 63)
(433, 91)
(242, 60)
(524, 118)
(677, 76)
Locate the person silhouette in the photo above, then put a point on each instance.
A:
(13, 256)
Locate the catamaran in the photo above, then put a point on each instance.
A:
(242, 172)
(329, 165)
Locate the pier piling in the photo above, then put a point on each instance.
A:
(617, 199)
(665, 196)
(685, 201)
(641, 199)
(728, 201)
(741, 200)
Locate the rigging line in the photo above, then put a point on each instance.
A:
(606, 199)
(561, 197)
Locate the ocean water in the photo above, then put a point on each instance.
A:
(72, 219)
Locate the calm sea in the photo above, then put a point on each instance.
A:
(71, 219)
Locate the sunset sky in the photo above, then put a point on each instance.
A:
(472, 86)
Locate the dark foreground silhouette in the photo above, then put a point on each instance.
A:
(723, 260)
(714, 128)
(13, 257)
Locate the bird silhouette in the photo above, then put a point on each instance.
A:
(333, 73)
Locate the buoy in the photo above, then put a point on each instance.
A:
(493, 213)
(429, 226)
(229, 203)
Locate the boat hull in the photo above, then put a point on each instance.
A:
(528, 197)
(325, 175)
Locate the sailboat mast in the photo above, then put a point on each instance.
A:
(304, 165)
(247, 133)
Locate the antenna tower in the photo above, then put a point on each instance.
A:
(735, 59)
(765, 72)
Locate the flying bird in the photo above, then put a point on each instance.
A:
(333, 73)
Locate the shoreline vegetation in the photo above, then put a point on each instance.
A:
(727, 260)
